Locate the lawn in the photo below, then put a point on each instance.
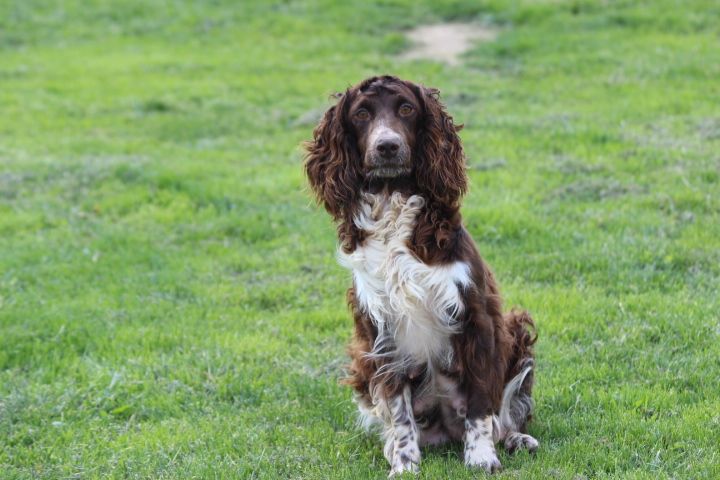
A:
(170, 303)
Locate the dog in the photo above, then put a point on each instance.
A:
(433, 358)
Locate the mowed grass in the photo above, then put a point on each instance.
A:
(170, 304)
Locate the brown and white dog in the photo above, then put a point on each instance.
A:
(433, 357)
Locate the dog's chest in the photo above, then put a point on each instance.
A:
(413, 304)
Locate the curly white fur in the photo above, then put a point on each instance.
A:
(414, 305)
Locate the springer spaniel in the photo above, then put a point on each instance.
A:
(433, 357)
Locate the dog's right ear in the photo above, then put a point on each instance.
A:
(332, 163)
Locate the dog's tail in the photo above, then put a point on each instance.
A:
(517, 404)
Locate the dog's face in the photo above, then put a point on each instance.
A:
(385, 119)
(381, 129)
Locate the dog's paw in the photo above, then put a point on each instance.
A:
(517, 441)
(400, 469)
(479, 445)
(483, 458)
(405, 459)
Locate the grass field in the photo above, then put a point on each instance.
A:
(170, 304)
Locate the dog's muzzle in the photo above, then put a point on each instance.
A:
(388, 154)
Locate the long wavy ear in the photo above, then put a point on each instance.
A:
(332, 163)
(441, 161)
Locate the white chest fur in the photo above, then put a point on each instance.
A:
(414, 305)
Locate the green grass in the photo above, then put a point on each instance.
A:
(170, 305)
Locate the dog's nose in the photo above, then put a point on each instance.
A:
(388, 148)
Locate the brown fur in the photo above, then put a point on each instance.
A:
(491, 347)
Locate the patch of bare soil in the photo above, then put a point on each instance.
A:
(446, 42)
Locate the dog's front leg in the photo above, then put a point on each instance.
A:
(401, 434)
(479, 445)
(478, 438)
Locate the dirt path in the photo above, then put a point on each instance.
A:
(445, 42)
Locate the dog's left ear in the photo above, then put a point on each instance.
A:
(441, 161)
(332, 163)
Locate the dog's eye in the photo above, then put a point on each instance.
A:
(405, 109)
(362, 115)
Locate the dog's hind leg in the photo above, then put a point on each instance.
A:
(517, 404)
(516, 410)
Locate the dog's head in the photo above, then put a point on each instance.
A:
(383, 129)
